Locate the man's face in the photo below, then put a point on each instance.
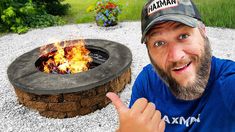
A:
(181, 57)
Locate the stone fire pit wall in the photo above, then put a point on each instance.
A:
(73, 104)
(69, 95)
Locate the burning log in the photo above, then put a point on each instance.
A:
(65, 58)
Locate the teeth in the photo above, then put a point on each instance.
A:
(177, 68)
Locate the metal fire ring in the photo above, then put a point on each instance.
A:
(23, 74)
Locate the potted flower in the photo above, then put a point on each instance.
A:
(107, 12)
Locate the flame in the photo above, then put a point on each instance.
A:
(66, 58)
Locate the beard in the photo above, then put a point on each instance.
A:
(196, 88)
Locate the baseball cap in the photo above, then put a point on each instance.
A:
(158, 11)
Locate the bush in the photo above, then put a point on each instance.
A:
(20, 15)
(53, 7)
(45, 20)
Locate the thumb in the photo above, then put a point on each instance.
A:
(120, 106)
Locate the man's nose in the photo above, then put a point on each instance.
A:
(175, 52)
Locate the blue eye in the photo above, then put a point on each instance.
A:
(183, 36)
(159, 43)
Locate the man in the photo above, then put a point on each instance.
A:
(190, 90)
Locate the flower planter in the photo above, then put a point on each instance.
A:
(108, 23)
(107, 12)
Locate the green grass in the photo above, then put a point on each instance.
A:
(77, 13)
(216, 13)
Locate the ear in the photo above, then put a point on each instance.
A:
(202, 29)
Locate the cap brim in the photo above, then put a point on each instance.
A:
(187, 20)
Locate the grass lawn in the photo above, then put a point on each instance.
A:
(77, 13)
(216, 13)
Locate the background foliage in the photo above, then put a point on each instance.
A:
(20, 15)
(215, 13)
(78, 14)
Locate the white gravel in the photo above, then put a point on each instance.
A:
(17, 118)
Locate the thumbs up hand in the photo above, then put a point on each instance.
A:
(142, 117)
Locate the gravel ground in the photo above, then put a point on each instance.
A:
(17, 118)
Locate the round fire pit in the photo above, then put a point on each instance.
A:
(68, 95)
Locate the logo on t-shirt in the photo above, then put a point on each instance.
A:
(182, 120)
(157, 5)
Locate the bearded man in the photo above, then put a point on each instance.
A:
(184, 88)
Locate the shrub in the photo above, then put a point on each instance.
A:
(53, 7)
(21, 15)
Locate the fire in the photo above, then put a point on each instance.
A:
(65, 58)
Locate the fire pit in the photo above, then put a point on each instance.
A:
(69, 95)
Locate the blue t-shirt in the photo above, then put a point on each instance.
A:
(213, 111)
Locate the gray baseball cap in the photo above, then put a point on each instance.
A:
(158, 11)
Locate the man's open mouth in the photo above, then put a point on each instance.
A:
(180, 68)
